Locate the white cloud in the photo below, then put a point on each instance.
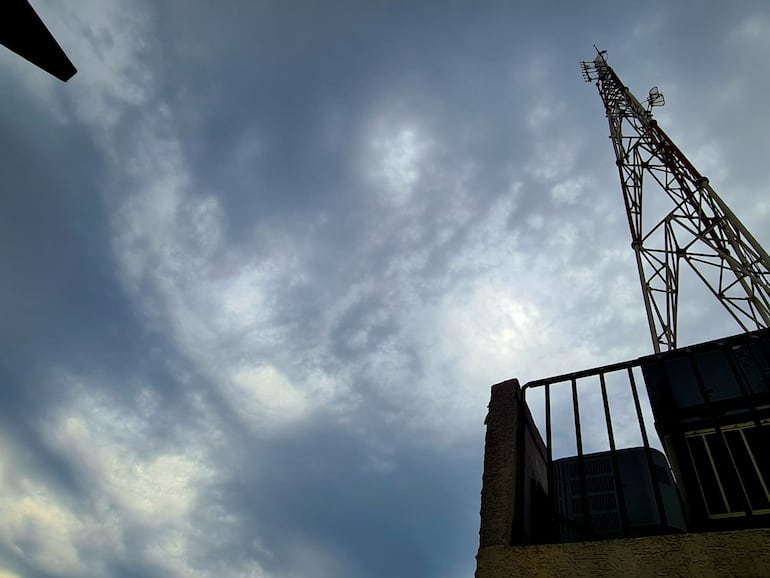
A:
(131, 483)
(214, 301)
(41, 528)
(396, 155)
(171, 552)
(167, 235)
(552, 160)
(536, 221)
(38, 529)
(105, 441)
(567, 192)
(218, 302)
(107, 42)
(539, 115)
(261, 392)
(752, 33)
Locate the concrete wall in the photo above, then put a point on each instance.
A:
(741, 553)
(499, 480)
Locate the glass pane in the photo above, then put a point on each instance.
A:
(728, 477)
(748, 472)
(706, 475)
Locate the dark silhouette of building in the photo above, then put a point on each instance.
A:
(707, 513)
(712, 412)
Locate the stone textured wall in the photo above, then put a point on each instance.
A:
(739, 553)
(499, 480)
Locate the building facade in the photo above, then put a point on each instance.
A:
(635, 511)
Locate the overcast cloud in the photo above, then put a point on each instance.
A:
(263, 260)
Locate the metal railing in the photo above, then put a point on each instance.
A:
(711, 405)
(583, 527)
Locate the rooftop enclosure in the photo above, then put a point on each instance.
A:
(662, 452)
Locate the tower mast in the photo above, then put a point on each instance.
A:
(699, 230)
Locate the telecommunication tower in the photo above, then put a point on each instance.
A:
(698, 229)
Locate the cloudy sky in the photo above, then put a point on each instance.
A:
(261, 262)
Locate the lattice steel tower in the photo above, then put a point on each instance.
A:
(696, 228)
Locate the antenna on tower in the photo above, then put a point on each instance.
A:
(655, 98)
(699, 230)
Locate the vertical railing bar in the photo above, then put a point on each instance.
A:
(548, 448)
(581, 462)
(614, 457)
(517, 537)
(549, 462)
(647, 450)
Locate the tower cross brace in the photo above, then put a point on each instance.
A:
(698, 230)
